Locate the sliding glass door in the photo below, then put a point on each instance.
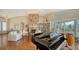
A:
(69, 27)
(57, 27)
(77, 28)
(62, 27)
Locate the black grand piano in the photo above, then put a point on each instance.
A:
(45, 41)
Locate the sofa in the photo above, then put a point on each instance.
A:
(14, 36)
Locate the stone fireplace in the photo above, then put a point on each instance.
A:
(33, 21)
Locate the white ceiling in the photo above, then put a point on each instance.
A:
(23, 12)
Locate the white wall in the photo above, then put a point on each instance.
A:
(16, 21)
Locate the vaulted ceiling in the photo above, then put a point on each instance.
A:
(25, 12)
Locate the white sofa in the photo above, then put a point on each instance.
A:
(14, 36)
(25, 33)
(38, 31)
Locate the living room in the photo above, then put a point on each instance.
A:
(21, 29)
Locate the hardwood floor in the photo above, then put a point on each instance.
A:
(23, 44)
(3, 41)
(76, 47)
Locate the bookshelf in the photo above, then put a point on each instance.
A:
(44, 27)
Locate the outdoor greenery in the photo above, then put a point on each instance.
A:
(77, 27)
(68, 27)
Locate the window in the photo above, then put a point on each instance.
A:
(0, 26)
(4, 26)
(62, 27)
(57, 27)
(69, 27)
(77, 28)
